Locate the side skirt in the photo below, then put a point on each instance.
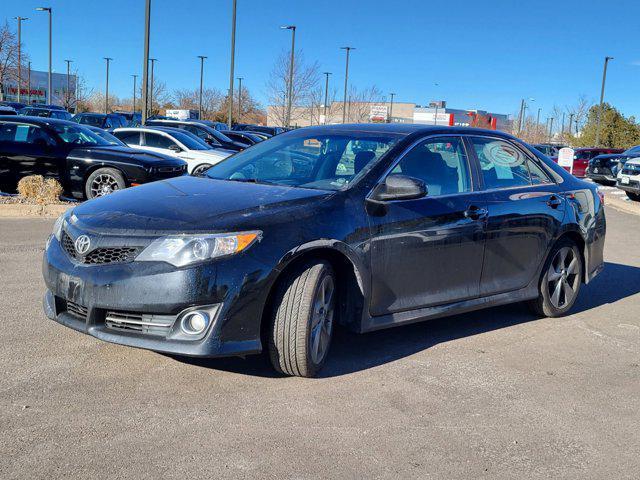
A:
(370, 324)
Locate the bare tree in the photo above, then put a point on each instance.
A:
(189, 99)
(306, 78)
(580, 110)
(360, 101)
(9, 58)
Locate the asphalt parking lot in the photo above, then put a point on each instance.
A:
(493, 394)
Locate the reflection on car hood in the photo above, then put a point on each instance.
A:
(195, 204)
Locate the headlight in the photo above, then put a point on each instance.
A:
(57, 227)
(181, 250)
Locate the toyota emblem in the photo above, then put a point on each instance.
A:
(82, 244)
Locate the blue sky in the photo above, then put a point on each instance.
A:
(474, 54)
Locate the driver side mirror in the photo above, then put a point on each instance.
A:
(175, 148)
(398, 187)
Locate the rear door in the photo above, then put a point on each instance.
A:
(159, 143)
(525, 212)
(428, 251)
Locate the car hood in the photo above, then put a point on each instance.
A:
(607, 158)
(194, 204)
(116, 151)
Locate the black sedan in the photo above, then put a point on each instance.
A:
(101, 120)
(368, 226)
(244, 137)
(605, 168)
(86, 164)
(213, 137)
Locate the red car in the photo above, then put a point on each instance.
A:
(582, 156)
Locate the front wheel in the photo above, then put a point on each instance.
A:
(633, 196)
(302, 320)
(103, 181)
(560, 282)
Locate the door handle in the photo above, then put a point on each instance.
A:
(475, 213)
(554, 201)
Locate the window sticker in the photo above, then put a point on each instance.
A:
(22, 131)
(504, 158)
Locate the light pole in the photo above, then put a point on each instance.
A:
(135, 79)
(290, 86)
(145, 62)
(202, 58)
(20, 20)
(326, 94)
(239, 97)
(153, 62)
(570, 122)
(538, 118)
(550, 128)
(68, 83)
(346, 82)
(106, 90)
(233, 59)
(599, 116)
(29, 83)
(390, 119)
(48, 9)
(562, 128)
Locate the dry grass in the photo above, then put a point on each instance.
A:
(36, 190)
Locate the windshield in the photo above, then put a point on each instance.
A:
(78, 135)
(35, 112)
(326, 161)
(109, 138)
(190, 141)
(633, 150)
(93, 120)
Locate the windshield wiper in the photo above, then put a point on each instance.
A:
(251, 180)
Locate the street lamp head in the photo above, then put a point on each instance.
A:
(608, 58)
(288, 27)
(202, 57)
(347, 48)
(22, 19)
(108, 59)
(44, 9)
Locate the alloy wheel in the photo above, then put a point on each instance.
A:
(322, 320)
(563, 277)
(103, 184)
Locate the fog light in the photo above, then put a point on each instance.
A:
(194, 323)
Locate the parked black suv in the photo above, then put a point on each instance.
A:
(87, 165)
(371, 226)
(46, 112)
(213, 137)
(605, 168)
(101, 120)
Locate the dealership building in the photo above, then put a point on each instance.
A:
(36, 91)
(435, 113)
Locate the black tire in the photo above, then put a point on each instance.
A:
(296, 322)
(103, 181)
(200, 169)
(555, 298)
(633, 196)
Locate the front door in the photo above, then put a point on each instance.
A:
(525, 212)
(429, 251)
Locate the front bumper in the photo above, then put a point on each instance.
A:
(158, 289)
(633, 186)
(602, 177)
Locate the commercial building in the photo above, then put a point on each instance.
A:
(36, 91)
(436, 113)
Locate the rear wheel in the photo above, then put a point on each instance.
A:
(560, 282)
(633, 196)
(104, 181)
(302, 320)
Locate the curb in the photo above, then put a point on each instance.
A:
(622, 205)
(19, 210)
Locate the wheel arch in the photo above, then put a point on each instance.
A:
(578, 239)
(350, 275)
(87, 173)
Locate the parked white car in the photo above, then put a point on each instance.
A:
(628, 178)
(174, 142)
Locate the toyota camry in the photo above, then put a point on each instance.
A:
(364, 226)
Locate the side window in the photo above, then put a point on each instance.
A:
(157, 141)
(538, 175)
(441, 163)
(502, 165)
(27, 134)
(130, 138)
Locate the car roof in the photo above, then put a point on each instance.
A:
(39, 120)
(402, 129)
(596, 149)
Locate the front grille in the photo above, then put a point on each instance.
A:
(100, 256)
(148, 324)
(77, 310)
